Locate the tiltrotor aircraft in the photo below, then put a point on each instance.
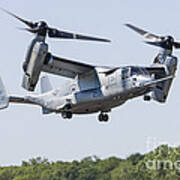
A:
(94, 88)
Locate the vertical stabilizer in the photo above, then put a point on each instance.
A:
(4, 99)
(45, 84)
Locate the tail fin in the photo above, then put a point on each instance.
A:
(45, 87)
(4, 99)
(45, 84)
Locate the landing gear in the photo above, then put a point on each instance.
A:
(103, 117)
(31, 88)
(67, 115)
(147, 98)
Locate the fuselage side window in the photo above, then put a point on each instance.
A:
(135, 71)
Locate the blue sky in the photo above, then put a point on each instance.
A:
(25, 133)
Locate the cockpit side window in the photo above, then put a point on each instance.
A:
(125, 73)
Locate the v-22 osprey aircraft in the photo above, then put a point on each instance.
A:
(94, 88)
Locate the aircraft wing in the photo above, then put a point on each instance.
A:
(65, 67)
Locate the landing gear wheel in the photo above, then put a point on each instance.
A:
(100, 117)
(31, 88)
(67, 115)
(147, 98)
(103, 117)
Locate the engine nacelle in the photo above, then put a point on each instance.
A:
(33, 64)
(161, 91)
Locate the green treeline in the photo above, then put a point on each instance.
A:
(161, 164)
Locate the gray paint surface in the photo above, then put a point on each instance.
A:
(24, 133)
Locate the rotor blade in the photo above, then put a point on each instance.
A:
(159, 44)
(147, 35)
(176, 45)
(27, 29)
(54, 33)
(163, 44)
(28, 23)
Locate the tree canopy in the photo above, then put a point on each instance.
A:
(161, 164)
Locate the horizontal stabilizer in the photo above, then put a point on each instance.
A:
(4, 99)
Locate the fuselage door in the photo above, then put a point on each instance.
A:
(125, 78)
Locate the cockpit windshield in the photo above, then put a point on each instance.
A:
(135, 71)
(138, 71)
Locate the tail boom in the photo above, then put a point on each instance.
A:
(20, 100)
